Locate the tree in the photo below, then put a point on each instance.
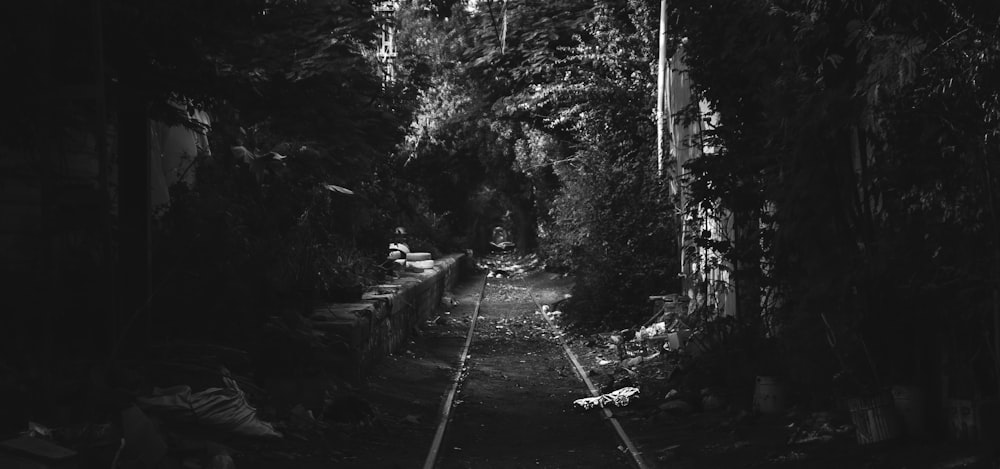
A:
(298, 108)
(840, 140)
(556, 106)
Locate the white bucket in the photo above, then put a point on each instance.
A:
(769, 395)
(677, 339)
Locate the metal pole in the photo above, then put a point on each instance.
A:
(503, 31)
(661, 81)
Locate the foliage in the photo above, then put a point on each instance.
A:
(457, 150)
(537, 116)
(611, 222)
(298, 111)
(856, 145)
(241, 244)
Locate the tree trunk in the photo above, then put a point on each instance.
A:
(134, 274)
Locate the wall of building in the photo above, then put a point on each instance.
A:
(707, 274)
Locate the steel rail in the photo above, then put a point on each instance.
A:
(446, 407)
(637, 458)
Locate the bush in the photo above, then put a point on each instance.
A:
(247, 239)
(610, 229)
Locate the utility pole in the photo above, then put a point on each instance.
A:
(661, 131)
(503, 30)
(661, 83)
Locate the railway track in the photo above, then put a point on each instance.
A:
(449, 400)
(508, 404)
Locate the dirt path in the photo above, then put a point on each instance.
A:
(390, 420)
(515, 406)
(513, 410)
(406, 391)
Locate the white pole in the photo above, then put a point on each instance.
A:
(503, 31)
(661, 81)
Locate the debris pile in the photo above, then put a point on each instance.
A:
(619, 398)
(225, 408)
(697, 372)
(510, 265)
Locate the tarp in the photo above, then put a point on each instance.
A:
(221, 408)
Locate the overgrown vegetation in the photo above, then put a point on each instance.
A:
(547, 107)
(856, 152)
(299, 116)
(858, 141)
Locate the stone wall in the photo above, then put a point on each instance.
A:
(382, 321)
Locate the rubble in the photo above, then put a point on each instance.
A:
(620, 398)
(510, 265)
